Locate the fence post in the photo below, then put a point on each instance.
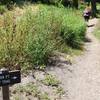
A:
(5, 92)
(5, 89)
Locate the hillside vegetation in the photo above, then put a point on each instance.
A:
(29, 40)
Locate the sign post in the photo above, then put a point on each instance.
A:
(5, 92)
(5, 89)
(8, 78)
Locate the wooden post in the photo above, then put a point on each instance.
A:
(5, 89)
(5, 92)
(7, 78)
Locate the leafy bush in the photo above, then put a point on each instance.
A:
(97, 31)
(67, 27)
(51, 1)
(29, 89)
(60, 91)
(73, 31)
(2, 9)
(11, 47)
(5, 1)
(39, 44)
(44, 96)
(57, 2)
(51, 80)
(32, 37)
(8, 3)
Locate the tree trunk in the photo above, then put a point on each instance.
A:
(93, 7)
(75, 4)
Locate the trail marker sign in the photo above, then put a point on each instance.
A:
(9, 77)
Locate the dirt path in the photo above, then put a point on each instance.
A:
(85, 83)
(82, 80)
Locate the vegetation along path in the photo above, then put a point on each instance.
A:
(83, 81)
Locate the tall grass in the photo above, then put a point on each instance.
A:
(2, 9)
(73, 29)
(33, 37)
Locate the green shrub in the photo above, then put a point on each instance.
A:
(39, 44)
(2, 9)
(60, 91)
(11, 49)
(29, 89)
(73, 31)
(44, 96)
(39, 49)
(32, 37)
(51, 80)
(5, 1)
(51, 1)
(97, 31)
(66, 26)
(67, 3)
(8, 3)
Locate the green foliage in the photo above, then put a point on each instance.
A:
(44, 96)
(57, 2)
(72, 30)
(39, 49)
(31, 38)
(8, 3)
(97, 31)
(11, 50)
(67, 26)
(39, 44)
(82, 6)
(2, 9)
(60, 91)
(5, 1)
(51, 1)
(29, 89)
(97, 34)
(51, 80)
(16, 98)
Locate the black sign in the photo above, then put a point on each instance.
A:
(9, 77)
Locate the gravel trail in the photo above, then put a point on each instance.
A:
(85, 82)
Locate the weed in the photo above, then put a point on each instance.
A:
(29, 89)
(51, 80)
(60, 91)
(44, 96)
(2, 9)
(97, 31)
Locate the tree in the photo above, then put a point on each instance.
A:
(93, 7)
(75, 4)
